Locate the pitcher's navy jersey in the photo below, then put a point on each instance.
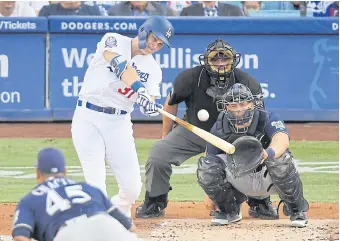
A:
(56, 202)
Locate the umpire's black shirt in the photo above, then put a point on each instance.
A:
(191, 86)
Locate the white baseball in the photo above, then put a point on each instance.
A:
(203, 115)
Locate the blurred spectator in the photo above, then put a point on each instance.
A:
(336, 12)
(37, 5)
(277, 5)
(211, 9)
(179, 5)
(254, 6)
(16, 9)
(69, 8)
(235, 3)
(141, 8)
(104, 6)
(321, 8)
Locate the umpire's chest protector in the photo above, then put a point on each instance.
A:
(256, 129)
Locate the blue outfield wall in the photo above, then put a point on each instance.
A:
(43, 61)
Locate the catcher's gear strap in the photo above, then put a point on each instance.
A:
(247, 157)
(212, 178)
(287, 182)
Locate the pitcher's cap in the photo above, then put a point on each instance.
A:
(51, 160)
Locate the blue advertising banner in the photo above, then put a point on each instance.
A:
(296, 61)
(198, 25)
(23, 25)
(296, 80)
(22, 77)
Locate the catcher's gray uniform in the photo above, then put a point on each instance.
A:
(255, 184)
(227, 178)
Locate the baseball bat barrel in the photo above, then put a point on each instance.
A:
(208, 137)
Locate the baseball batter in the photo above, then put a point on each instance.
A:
(60, 209)
(261, 165)
(122, 72)
(199, 87)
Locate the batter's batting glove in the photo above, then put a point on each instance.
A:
(143, 97)
(151, 109)
(148, 106)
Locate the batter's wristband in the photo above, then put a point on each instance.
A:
(270, 152)
(137, 85)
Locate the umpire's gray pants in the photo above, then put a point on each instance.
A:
(178, 146)
(98, 227)
(257, 185)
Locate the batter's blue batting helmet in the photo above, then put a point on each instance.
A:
(159, 26)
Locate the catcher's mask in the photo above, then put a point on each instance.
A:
(239, 106)
(247, 157)
(220, 60)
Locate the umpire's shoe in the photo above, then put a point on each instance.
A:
(152, 207)
(262, 209)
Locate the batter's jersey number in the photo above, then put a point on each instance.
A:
(127, 92)
(54, 202)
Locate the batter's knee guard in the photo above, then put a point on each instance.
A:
(211, 177)
(287, 181)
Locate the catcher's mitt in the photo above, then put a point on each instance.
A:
(247, 157)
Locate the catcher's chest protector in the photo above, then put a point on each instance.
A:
(256, 129)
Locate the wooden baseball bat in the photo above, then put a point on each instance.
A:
(208, 137)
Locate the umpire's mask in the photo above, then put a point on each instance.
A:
(220, 61)
(238, 105)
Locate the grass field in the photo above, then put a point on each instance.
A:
(319, 163)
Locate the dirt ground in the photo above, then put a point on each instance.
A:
(190, 220)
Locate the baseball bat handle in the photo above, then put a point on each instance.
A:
(205, 135)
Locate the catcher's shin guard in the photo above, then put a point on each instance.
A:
(212, 179)
(289, 186)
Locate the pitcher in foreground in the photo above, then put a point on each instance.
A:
(60, 209)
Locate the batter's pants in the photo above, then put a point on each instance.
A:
(100, 137)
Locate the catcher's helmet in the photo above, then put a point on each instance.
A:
(159, 26)
(238, 94)
(220, 49)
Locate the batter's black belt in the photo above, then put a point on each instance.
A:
(106, 110)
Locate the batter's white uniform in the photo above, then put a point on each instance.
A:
(100, 137)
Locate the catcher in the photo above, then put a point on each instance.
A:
(261, 165)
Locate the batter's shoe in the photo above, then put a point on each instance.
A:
(262, 209)
(220, 218)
